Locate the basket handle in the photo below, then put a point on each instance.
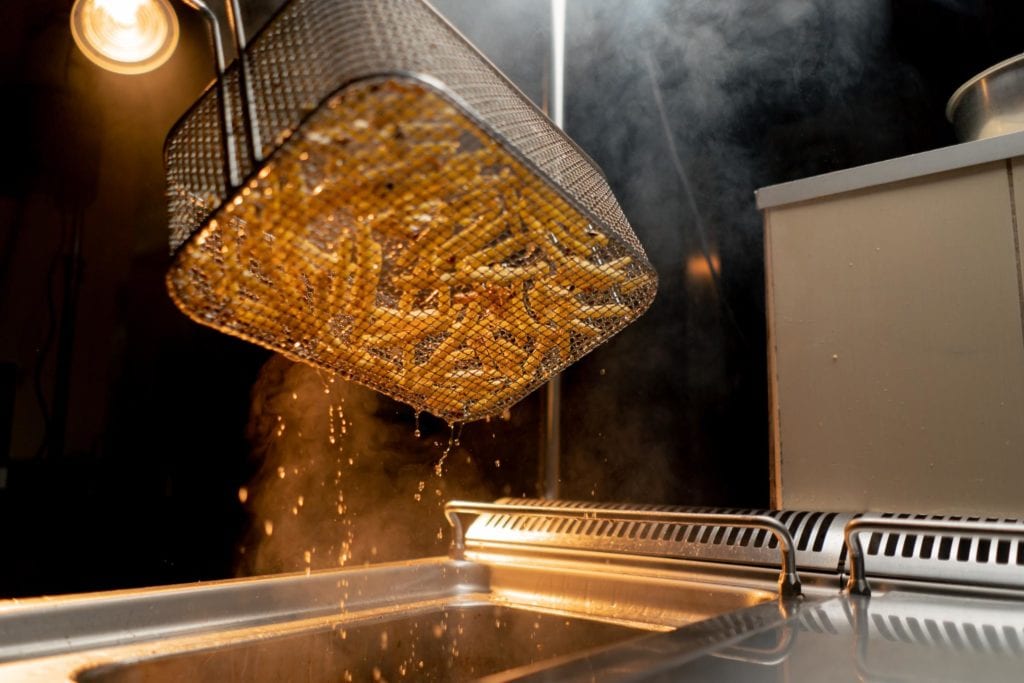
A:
(237, 37)
(789, 581)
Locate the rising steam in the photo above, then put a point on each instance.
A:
(343, 479)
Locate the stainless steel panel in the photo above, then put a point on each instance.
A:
(817, 536)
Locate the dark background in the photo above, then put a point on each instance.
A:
(126, 430)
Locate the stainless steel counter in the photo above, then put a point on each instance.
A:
(896, 637)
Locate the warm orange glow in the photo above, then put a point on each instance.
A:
(393, 242)
(699, 267)
(125, 36)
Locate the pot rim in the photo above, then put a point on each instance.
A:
(958, 95)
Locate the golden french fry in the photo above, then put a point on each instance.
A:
(604, 311)
(459, 331)
(499, 354)
(383, 336)
(633, 284)
(383, 319)
(504, 275)
(556, 338)
(494, 254)
(464, 356)
(475, 380)
(583, 273)
(423, 243)
(366, 275)
(471, 239)
(584, 328)
(581, 245)
(452, 279)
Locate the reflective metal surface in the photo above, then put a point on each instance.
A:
(855, 639)
(788, 581)
(450, 644)
(993, 562)
(167, 633)
(991, 103)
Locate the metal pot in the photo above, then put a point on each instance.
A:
(991, 103)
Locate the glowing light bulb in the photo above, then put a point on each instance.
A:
(125, 36)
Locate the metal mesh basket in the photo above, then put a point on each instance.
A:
(412, 221)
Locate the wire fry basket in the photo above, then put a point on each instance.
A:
(407, 218)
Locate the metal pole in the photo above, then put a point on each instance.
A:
(232, 164)
(551, 457)
(247, 92)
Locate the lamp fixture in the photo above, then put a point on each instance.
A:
(125, 36)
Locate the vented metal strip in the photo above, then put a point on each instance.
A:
(945, 549)
(817, 536)
(789, 581)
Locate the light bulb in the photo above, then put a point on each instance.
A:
(125, 36)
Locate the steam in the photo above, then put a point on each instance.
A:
(689, 106)
(730, 74)
(342, 477)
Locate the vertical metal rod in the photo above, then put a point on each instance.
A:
(557, 94)
(552, 453)
(232, 164)
(247, 92)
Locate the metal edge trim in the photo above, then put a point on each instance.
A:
(909, 167)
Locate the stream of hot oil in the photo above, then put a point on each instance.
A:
(427, 647)
(286, 481)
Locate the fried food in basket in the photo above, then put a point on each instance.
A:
(393, 241)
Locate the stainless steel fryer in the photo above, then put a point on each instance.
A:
(559, 590)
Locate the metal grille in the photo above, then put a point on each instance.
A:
(818, 536)
(419, 226)
(970, 558)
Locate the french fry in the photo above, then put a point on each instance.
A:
(459, 331)
(635, 283)
(494, 254)
(504, 275)
(389, 326)
(464, 356)
(499, 354)
(580, 271)
(471, 239)
(363, 293)
(423, 243)
(582, 245)
(451, 275)
(475, 380)
(604, 311)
